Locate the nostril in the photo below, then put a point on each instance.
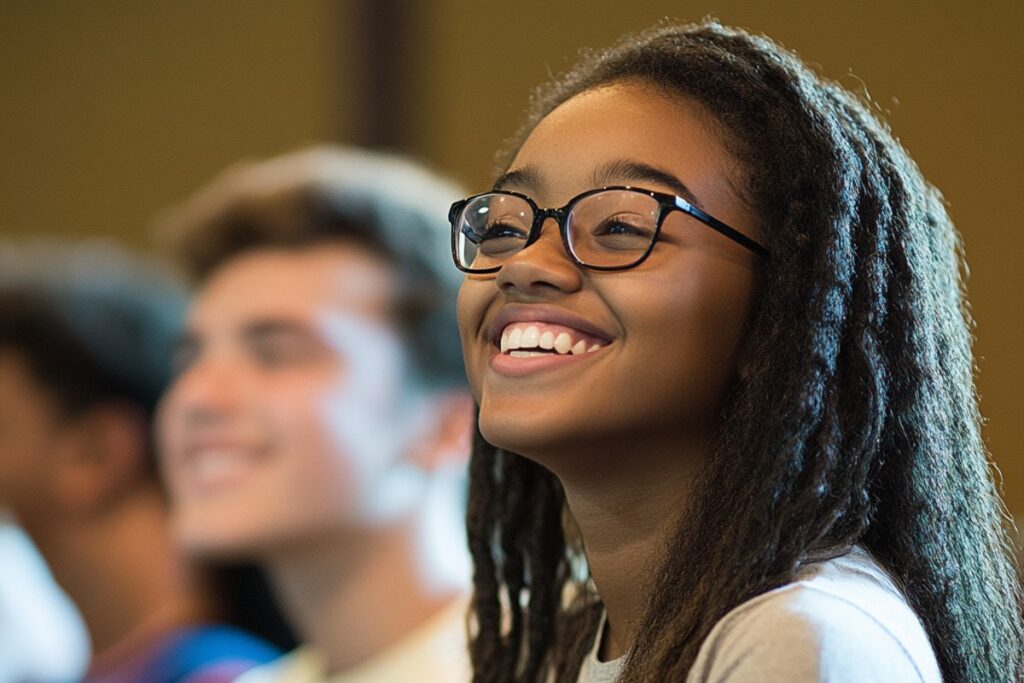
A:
(538, 273)
(543, 263)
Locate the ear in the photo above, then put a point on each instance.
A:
(445, 441)
(101, 456)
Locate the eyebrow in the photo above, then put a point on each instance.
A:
(529, 178)
(630, 170)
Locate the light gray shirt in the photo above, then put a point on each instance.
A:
(841, 621)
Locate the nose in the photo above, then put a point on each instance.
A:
(542, 268)
(204, 393)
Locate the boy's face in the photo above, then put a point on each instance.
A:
(281, 426)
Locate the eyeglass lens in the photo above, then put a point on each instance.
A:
(614, 228)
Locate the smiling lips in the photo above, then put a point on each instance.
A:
(532, 339)
(211, 466)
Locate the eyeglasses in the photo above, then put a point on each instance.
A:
(611, 228)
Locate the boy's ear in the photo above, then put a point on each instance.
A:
(102, 455)
(445, 441)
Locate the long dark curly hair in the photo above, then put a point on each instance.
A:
(857, 422)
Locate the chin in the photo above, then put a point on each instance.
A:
(203, 541)
(545, 443)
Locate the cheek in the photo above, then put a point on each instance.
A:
(30, 430)
(307, 425)
(688, 338)
(341, 438)
(26, 447)
(168, 425)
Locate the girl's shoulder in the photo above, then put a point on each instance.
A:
(843, 620)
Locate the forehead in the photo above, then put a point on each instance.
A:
(627, 121)
(301, 282)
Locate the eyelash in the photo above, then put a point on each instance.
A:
(499, 229)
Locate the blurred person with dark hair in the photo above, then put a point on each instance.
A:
(319, 424)
(86, 336)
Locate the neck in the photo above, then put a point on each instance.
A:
(353, 595)
(626, 511)
(120, 569)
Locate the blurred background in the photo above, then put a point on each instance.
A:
(113, 111)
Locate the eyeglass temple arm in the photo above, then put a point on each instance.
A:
(719, 226)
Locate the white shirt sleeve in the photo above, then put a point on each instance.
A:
(804, 635)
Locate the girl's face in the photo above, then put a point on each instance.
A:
(667, 332)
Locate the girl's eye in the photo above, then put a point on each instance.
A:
(499, 230)
(621, 228)
(624, 224)
(502, 239)
(622, 233)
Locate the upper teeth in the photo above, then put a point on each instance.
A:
(524, 336)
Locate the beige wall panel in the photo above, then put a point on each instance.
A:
(112, 110)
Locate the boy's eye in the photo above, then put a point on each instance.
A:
(279, 350)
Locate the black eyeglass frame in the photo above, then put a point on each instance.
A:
(667, 203)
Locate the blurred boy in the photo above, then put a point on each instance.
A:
(318, 424)
(85, 343)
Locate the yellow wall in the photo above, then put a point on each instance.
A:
(112, 110)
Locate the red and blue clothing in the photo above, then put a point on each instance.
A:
(195, 654)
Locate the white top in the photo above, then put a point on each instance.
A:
(42, 637)
(436, 652)
(841, 621)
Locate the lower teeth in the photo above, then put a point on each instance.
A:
(527, 354)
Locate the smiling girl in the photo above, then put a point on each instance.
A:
(713, 320)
